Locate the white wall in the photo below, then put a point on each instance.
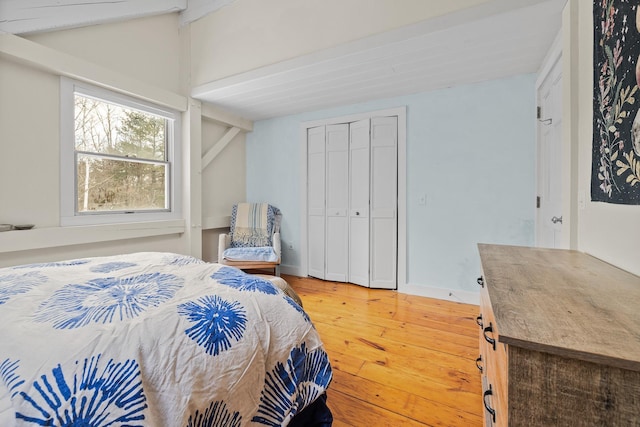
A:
(223, 184)
(607, 231)
(248, 34)
(144, 49)
(223, 180)
(470, 150)
(29, 139)
(148, 49)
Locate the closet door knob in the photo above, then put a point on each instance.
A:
(357, 213)
(479, 320)
(480, 281)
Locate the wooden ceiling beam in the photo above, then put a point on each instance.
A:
(30, 16)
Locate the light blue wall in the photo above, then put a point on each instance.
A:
(470, 150)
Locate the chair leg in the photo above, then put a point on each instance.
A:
(277, 270)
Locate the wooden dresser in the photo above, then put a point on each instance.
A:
(559, 339)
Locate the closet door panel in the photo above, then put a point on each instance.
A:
(316, 201)
(337, 203)
(359, 203)
(383, 210)
(383, 272)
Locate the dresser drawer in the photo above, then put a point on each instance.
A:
(494, 363)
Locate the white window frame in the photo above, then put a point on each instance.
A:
(68, 188)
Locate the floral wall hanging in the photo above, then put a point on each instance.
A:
(615, 176)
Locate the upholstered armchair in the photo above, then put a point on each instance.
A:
(253, 241)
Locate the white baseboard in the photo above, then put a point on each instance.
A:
(291, 270)
(455, 295)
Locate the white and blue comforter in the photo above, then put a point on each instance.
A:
(152, 339)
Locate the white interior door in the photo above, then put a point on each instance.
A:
(549, 170)
(337, 203)
(359, 203)
(316, 201)
(384, 202)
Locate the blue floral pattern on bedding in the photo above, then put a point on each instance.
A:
(92, 342)
(90, 393)
(9, 377)
(14, 284)
(240, 280)
(108, 267)
(301, 379)
(216, 322)
(107, 299)
(54, 264)
(216, 414)
(175, 259)
(297, 307)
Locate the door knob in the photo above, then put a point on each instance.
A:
(556, 220)
(357, 213)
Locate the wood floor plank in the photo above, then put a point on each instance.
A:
(420, 316)
(397, 359)
(349, 412)
(452, 395)
(430, 412)
(379, 315)
(444, 341)
(439, 367)
(306, 286)
(310, 286)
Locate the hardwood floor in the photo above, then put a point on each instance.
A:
(398, 360)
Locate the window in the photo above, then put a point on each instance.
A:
(118, 158)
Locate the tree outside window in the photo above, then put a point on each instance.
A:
(121, 156)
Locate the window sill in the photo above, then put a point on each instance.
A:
(51, 237)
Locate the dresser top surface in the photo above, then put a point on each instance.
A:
(564, 302)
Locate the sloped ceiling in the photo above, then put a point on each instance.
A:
(29, 16)
(506, 38)
(471, 46)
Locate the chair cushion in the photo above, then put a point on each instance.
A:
(262, 253)
(253, 224)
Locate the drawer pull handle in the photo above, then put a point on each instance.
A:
(479, 320)
(478, 365)
(489, 409)
(490, 340)
(481, 281)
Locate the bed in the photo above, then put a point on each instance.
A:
(155, 339)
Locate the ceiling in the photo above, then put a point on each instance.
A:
(467, 47)
(30, 16)
(502, 39)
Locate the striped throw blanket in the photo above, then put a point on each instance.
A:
(253, 224)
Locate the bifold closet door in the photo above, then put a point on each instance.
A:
(352, 202)
(384, 202)
(315, 199)
(337, 203)
(359, 173)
